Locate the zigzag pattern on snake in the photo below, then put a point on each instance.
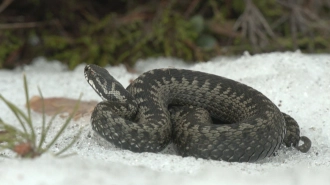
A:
(204, 115)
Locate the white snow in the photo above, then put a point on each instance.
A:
(298, 83)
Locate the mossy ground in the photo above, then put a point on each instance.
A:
(113, 32)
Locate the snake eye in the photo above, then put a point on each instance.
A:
(86, 68)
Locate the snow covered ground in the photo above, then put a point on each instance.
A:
(299, 84)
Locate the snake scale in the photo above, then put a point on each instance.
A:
(204, 115)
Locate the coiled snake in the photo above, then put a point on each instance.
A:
(204, 115)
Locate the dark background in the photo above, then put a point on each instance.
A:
(122, 31)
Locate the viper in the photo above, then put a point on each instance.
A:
(204, 115)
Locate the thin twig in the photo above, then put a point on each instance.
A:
(5, 4)
(22, 25)
(254, 26)
(192, 6)
(301, 19)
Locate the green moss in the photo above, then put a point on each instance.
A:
(55, 42)
(9, 44)
(114, 32)
(270, 9)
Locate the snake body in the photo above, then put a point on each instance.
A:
(204, 115)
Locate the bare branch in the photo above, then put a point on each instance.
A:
(5, 4)
(253, 25)
(22, 25)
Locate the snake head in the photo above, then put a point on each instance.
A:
(105, 85)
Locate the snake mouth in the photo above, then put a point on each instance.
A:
(87, 73)
(90, 77)
(86, 68)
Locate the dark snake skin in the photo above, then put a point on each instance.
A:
(204, 115)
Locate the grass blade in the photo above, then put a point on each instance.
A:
(76, 137)
(43, 133)
(17, 112)
(24, 143)
(28, 107)
(10, 132)
(10, 129)
(67, 121)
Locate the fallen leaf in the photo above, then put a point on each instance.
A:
(62, 106)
